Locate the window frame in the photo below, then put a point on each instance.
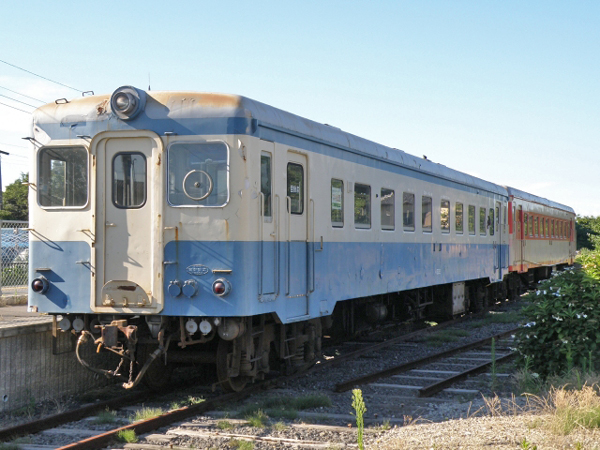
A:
(363, 226)
(472, 209)
(483, 229)
(337, 224)
(409, 228)
(228, 172)
(445, 230)
(462, 217)
(428, 229)
(269, 155)
(302, 188)
(87, 173)
(393, 204)
(112, 180)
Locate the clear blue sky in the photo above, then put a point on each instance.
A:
(507, 91)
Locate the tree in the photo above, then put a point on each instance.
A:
(588, 232)
(14, 199)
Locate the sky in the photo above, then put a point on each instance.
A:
(507, 91)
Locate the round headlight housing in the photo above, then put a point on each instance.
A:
(40, 285)
(127, 102)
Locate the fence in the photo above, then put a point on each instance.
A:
(14, 262)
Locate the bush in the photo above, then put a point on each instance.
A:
(563, 317)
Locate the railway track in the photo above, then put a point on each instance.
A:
(328, 433)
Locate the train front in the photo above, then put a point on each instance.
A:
(127, 251)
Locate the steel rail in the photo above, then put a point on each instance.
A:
(347, 385)
(432, 389)
(55, 420)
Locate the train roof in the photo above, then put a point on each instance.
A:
(513, 192)
(182, 111)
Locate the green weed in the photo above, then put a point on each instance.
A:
(127, 436)
(106, 416)
(146, 413)
(258, 419)
(360, 408)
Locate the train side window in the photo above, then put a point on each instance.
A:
(531, 225)
(362, 206)
(526, 225)
(265, 184)
(198, 174)
(295, 187)
(491, 221)
(129, 180)
(337, 203)
(547, 228)
(388, 221)
(482, 222)
(471, 219)
(458, 215)
(497, 221)
(445, 216)
(537, 226)
(62, 177)
(426, 212)
(408, 211)
(552, 228)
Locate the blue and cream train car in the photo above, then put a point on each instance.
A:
(227, 231)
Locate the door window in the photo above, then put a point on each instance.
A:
(295, 187)
(426, 205)
(129, 180)
(408, 211)
(265, 183)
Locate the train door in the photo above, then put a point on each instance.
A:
(128, 254)
(269, 209)
(297, 239)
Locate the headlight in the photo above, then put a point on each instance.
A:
(127, 102)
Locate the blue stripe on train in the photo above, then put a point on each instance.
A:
(271, 278)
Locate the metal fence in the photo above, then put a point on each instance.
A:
(14, 249)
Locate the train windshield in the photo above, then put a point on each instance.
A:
(62, 177)
(198, 174)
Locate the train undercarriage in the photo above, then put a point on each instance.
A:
(243, 350)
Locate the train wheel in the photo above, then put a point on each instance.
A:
(235, 384)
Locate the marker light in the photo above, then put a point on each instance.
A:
(40, 285)
(221, 287)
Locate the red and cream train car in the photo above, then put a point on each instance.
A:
(541, 234)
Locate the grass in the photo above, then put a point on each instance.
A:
(9, 446)
(225, 425)
(445, 336)
(240, 444)
(106, 416)
(279, 426)
(258, 419)
(191, 400)
(496, 317)
(127, 436)
(146, 413)
(285, 407)
(574, 409)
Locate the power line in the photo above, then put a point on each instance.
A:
(47, 79)
(18, 101)
(26, 112)
(13, 145)
(15, 92)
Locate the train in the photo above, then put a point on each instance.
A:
(199, 228)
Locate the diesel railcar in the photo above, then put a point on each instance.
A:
(171, 227)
